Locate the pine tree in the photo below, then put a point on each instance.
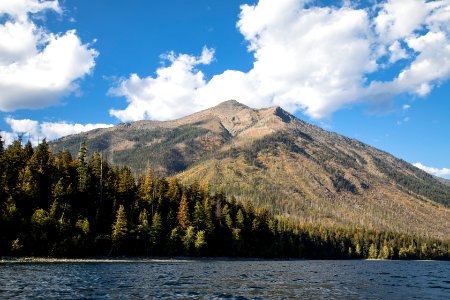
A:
(183, 212)
(199, 216)
(175, 241)
(226, 214)
(156, 232)
(14, 161)
(385, 252)
(119, 229)
(28, 150)
(143, 225)
(358, 250)
(82, 153)
(200, 241)
(240, 220)
(82, 168)
(146, 191)
(208, 217)
(173, 192)
(373, 251)
(126, 186)
(189, 239)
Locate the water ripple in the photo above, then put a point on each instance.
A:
(225, 279)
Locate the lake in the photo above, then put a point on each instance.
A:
(226, 279)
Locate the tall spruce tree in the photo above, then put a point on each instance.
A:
(183, 212)
(119, 229)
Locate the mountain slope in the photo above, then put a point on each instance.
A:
(270, 158)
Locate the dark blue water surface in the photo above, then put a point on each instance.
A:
(225, 279)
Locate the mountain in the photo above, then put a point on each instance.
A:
(274, 160)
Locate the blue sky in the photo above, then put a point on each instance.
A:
(377, 72)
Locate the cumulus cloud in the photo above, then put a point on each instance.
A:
(19, 9)
(398, 19)
(169, 94)
(308, 58)
(36, 131)
(444, 172)
(38, 67)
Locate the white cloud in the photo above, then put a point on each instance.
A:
(36, 131)
(8, 137)
(397, 52)
(19, 9)
(308, 58)
(168, 95)
(398, 19)
(37, 68)
(444, 172)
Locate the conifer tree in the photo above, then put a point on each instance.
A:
(119, 229)
(385, 252)
(146, 191)
(156, 232)
(40, 167)
(189, 239)
(358, 250)
(175, 241)
(126, 186)
(208, 217)
(199, 216)
(200, 241)
(82, 168)
(227, 216)
(173, 192)
(240, 220)
(183, 212)
(143, 226)
(28, 150)
(373, 251)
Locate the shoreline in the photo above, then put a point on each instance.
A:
(4, 260)
(90, 260)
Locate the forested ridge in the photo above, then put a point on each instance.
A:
(60, 206)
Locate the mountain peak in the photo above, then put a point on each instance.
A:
(231, 103)
(229, 107)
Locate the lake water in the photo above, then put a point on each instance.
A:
(225, 279)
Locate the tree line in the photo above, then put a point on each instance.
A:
(60, 206)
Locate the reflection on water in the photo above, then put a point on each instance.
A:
(215, 279)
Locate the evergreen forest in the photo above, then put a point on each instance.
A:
(56, 205)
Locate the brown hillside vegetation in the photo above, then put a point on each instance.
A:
(272, 159)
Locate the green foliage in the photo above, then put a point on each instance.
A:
(83, 226)
(156, 231)
(200, 241)
(47, 212)
(189, 239)
(373, 251)
(119, 228)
